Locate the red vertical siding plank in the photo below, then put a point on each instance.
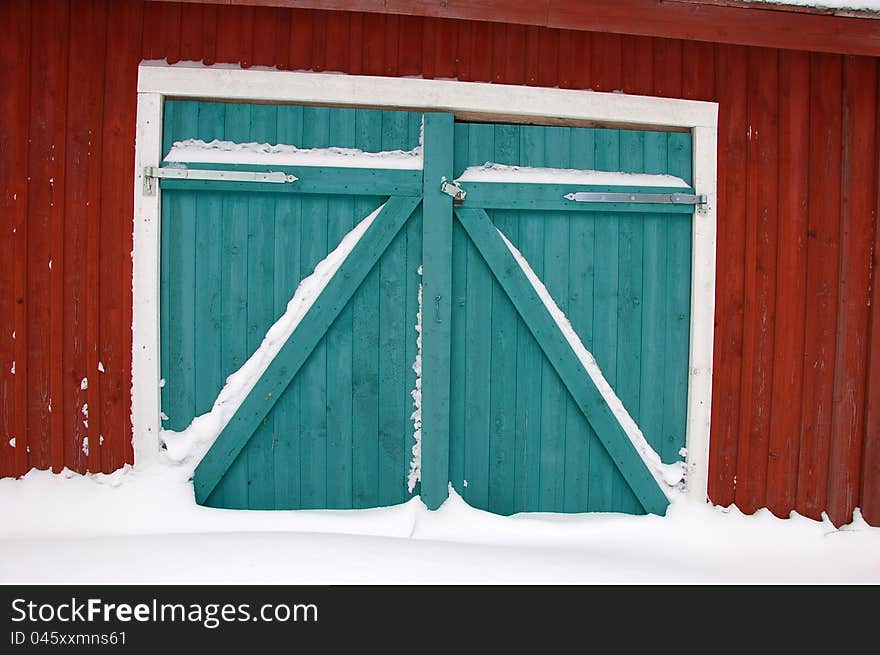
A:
(228, 45)
(638, 62)
(533, 54)
(120, 102)
(870, 492)
(192, 32)
(14, 110)
(245, 36)
(760, 271)
(698, 70)
(356, 47)
(301, 39)
(337, 37)
(319, 41)
(266, 23)
(732, 150)
(429, 45)
(464, 34)
(282, 40)
(607, 62)
(88, 25)
(392, 44)
(152, 41)
(788, 369)
(209, 35)
(515, 55)
(447, 48)
(171, 31)
(567, 58)
(93, 255)
(667, 68)
(499, 52)
(823, 248)
(374, 44)
(409, 53)
(858, 190)
(481, 52)
(548, 71)
(49, 27)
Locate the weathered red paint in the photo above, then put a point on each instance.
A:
(715, 21)
(796, 394)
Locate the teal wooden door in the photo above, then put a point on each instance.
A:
(232, 257)
(508, 414)
(620, 273)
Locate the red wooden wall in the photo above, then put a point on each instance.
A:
(796, 402)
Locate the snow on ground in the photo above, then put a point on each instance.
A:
(144, 527)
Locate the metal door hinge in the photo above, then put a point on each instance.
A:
(452, 189)
(698, 200)
(152, 173)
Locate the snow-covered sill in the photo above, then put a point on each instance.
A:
(230, 152)
(503, 173)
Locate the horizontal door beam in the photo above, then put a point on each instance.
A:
(323, 180)
(568, 197)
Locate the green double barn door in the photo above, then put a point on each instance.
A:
(329, 424)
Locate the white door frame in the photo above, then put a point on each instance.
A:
(158, 80)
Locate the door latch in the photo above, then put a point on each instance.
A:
(452, 189)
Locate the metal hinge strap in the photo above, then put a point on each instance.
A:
(152, 173)
(699, 200)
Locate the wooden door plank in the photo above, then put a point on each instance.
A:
(559, 352)
(654, 312)
(478, 298)
(340, 220)
(629, 308)
(502, 411)
(288, 217)
(261, 309)
(458, 358)
(393, 326)
(436, 312)
(529, 361)
(365, 360)
(312, 378)
(605, 302)
(553, 394)
(678, 284)
(581, 257)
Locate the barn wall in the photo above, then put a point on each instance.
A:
(796, 399)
